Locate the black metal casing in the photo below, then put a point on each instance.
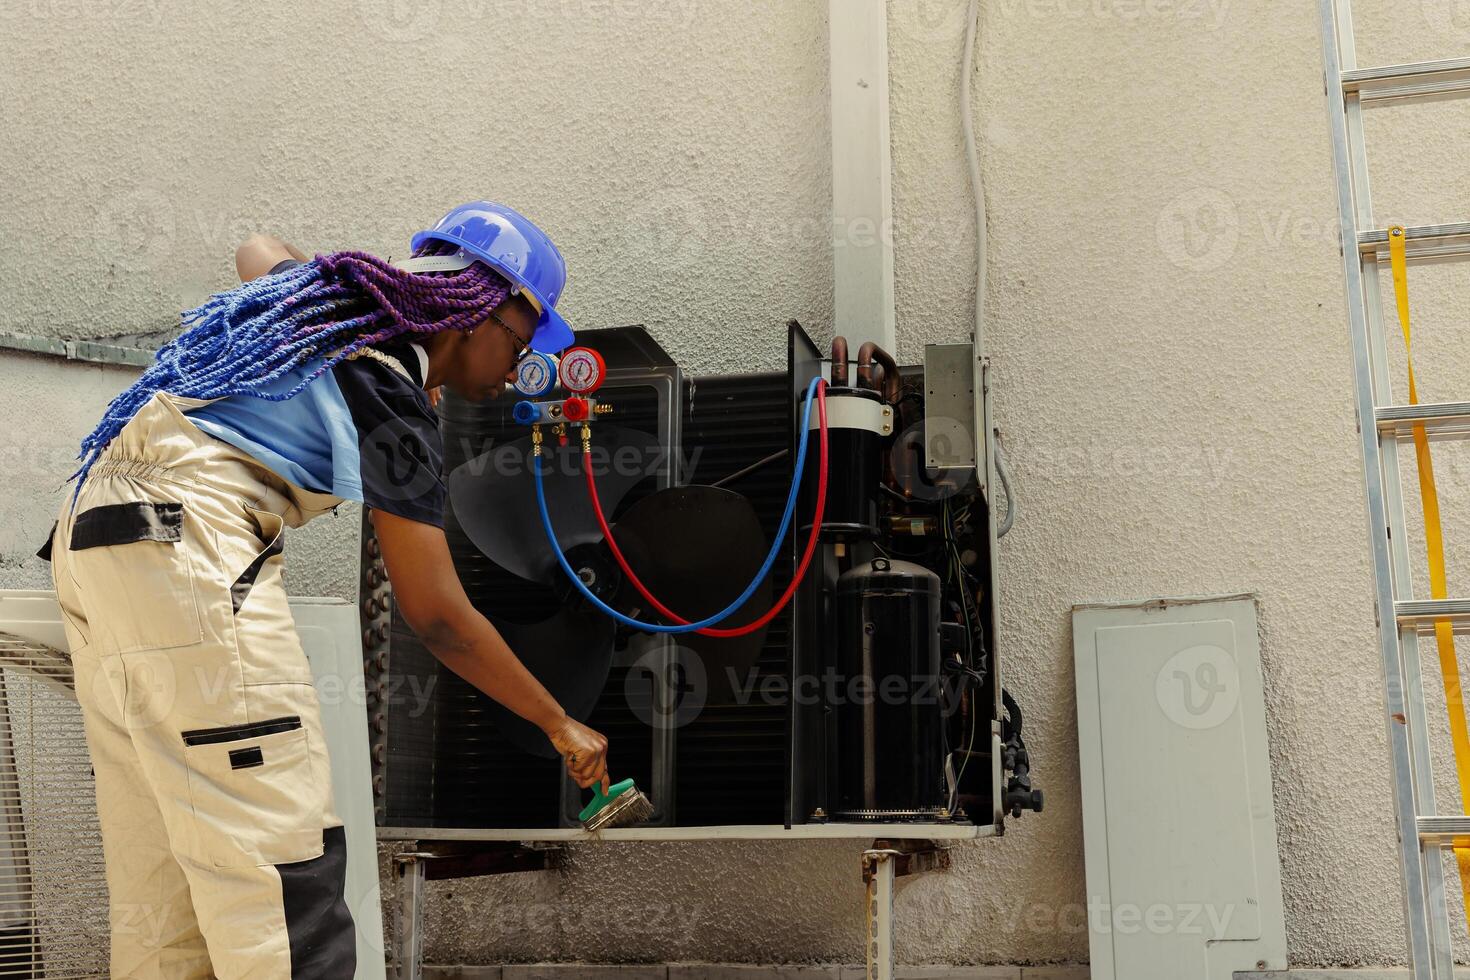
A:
(887, 737)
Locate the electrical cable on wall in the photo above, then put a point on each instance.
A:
(1003, 470)
(972, 159)
(977, 186)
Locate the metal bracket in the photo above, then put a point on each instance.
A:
(442, 861)
(883, 863)
(909, 857)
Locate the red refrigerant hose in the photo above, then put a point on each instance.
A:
(806, 558)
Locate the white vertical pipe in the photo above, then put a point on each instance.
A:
(862, 172)
(881, 870)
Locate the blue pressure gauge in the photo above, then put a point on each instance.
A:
(536, 374)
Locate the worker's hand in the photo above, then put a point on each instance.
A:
(436, 394)
(585, 752)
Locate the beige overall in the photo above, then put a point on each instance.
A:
(224, 854)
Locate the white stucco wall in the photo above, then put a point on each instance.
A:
(1167, 330)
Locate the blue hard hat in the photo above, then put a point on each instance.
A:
(513, 246)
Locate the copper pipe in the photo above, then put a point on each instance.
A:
(888, 382)
(839, 362)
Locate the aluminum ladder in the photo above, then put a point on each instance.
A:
(1422, 832)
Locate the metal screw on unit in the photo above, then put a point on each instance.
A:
(380, 753)
(378, 785)
(381, 660)
(380, 722)
(372, 547)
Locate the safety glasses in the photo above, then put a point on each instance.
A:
(523, 347)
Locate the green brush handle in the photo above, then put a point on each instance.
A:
(599, 800)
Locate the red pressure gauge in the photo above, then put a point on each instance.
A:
(582, 370)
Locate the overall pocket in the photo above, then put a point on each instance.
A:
(131, 566)
(254, 793)
(271, 543)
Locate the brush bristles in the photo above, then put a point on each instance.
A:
(630, 808)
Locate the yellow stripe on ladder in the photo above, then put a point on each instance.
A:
(1444, 634)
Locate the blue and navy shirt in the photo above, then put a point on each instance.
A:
(360, 431)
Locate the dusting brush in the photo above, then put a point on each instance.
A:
(623, 805)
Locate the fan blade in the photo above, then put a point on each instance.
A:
(696, 548)
(494, 496)
(571, 655)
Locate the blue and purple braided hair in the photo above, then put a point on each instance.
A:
(242, 340)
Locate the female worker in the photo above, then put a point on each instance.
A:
(303, 387)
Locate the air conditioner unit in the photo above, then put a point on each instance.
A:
(53, 893)
(906, 563)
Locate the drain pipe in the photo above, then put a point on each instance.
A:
(862, 173)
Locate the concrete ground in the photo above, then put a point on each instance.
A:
(715, 971)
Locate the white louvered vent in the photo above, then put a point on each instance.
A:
(53, 894)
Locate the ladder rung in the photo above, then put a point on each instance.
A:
(1421, 241)
(1420, 80)
(1443, 831)
(1444, 419)
(1424, 613)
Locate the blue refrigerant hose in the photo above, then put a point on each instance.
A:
(765, 569)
